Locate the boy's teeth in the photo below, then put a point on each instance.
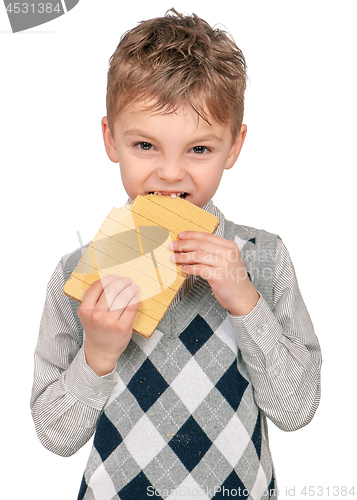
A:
(172, 195)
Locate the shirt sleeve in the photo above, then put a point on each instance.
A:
(281, 350)
(67, 395)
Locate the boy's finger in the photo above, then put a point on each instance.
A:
(208, 258)
(198, 240)
(94, 292)
(198, 246)
(127, 317)
(198, 235)
(111, 291)
(205, 252)
(123, 299)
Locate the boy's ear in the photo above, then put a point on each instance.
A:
(236, 147)
(108, 141)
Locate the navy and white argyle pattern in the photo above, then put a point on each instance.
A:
(181, 422)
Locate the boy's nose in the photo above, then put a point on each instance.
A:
(170, 171)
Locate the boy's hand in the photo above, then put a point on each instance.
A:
(218, 261)
(107, 312)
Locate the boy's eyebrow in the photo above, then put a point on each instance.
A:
(136, 131)
(208, 137)
(202, 138)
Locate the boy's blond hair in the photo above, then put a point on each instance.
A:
(177, 59)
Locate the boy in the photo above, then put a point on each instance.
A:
(182, 414)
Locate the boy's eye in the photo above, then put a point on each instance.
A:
(200, 149)
(146, 146)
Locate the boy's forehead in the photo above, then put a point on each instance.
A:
(142, 111)
(152, 107)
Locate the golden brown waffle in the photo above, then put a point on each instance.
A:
(134, 241)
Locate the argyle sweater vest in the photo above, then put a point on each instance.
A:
(182, 421)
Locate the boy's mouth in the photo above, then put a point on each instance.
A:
(172, 194)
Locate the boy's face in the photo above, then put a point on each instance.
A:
(171, 153)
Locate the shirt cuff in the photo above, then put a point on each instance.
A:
(86, 386)
(257, 331)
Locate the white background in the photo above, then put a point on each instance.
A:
(295, 177)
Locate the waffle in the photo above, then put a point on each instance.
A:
(134, 241)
